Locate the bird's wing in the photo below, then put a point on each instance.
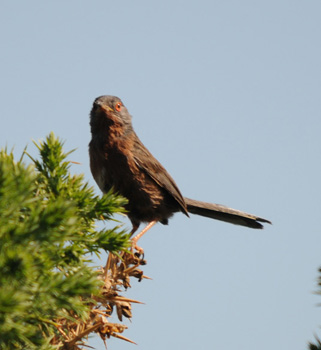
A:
(153, 168)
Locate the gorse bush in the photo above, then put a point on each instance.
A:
(48, 236)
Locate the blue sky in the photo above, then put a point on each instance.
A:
(226, 94)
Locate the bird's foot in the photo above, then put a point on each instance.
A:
(138, 236)
(136, 250)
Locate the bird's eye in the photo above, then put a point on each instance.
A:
(118, 106)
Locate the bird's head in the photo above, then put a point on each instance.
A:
(109, 109)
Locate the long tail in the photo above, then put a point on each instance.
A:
(220, 212)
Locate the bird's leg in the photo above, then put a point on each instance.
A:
(139, 235)
(135, 228)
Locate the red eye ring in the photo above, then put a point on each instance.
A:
(118, 106)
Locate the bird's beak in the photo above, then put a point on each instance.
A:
(104, 107)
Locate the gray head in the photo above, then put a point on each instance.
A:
(109, 109)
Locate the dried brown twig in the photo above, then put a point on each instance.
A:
(116, 276)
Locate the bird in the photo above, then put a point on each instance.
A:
(120, 162)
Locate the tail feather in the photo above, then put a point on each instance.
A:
(223, 213)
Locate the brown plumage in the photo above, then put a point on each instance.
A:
(119, 160)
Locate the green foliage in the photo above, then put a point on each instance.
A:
(48, 235)
(315, 346)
